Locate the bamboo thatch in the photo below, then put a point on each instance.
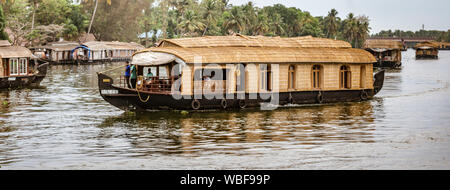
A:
(268, 55)
(4, 43)
(104, 45)
(253, 41)
(427, 45)
(15, 52)
(383, 44)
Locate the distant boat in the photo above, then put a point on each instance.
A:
(19, 68)
(427, 50)
(387, 52)
(243, 71)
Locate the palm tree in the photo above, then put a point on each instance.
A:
(362, 30)
(190, 24)
(210, 13)
(234, 21)
(331, 23)
(262, 26)
(350, 28)
(277, 24)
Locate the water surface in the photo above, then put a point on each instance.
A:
(67, 125)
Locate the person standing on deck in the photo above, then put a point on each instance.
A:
(133, 76)
(127, 74)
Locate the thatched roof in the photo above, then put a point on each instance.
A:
(253, 41)
(383, 44)
(4, 43)
(260, 49)
(58, 46)
(104, 45)
(14, 52)
(427, 45)
(267, 55)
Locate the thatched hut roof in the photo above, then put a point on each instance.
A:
(253, 41)
(258, 49)
(383, 44)
(4, 43)
(104, 45)
(267, 55)
(15, 52)
(427, 45)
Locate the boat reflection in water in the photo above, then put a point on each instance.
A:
(234, 132)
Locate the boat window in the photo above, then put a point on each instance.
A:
(202, 74)
(23, 66)
(291, 80)
(363, 76)
(240, 77)
(345, 77)
(266, 77)
(13, 67)
(316, 77)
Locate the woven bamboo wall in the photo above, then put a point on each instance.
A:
(252, 79)
(280, 78)
(2, 70)
(186, 80)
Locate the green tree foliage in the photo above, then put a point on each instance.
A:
(119, 20)
(3, 35)
(126, 20)
(443, 36)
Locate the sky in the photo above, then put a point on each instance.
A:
(383, 14)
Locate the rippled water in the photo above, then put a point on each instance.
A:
(67, 125)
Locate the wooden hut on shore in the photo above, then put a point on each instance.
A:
(244, 71)
(387, 52)
(427, 50)
(18, 67)
(102, 51)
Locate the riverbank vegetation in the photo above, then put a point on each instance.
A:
(442, 36)
(31, 22)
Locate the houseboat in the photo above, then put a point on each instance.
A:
(444, 46)
(224, 72)
(388, 53)
(101, 51)
(18, 67)
(56, 52)
(427, 50)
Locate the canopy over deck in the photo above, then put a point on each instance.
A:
(154, 59)
(382, 45)
(427, 45)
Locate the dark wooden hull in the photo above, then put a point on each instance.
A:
(131, 100)
(387, 64)
(427, 57)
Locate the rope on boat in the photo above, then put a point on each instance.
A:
(112, 69)
(140, 98)
(139, 94)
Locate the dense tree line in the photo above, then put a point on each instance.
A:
(41, 21)
(442, 36)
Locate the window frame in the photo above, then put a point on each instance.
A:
(316, 77)
(14, 68)
(291, 77)
(345, 77)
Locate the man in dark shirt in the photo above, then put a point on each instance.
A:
(127, 74)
